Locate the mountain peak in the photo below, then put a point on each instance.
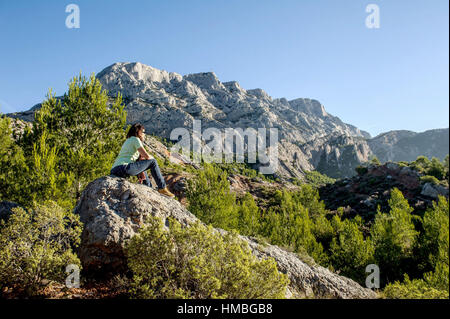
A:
(138, 72)
(204, 80)
(309, 106)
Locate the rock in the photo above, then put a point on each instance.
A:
(392, 166)
(112, 210)
(6, 209)
(110, 219)
(434, 191)
(311, 280)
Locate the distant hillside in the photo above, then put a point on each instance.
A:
(398, 146)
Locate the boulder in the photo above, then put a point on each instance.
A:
(113, 209)
(6, 209)
(434, 191)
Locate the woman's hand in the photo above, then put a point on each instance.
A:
(143, 155)
(141, 177)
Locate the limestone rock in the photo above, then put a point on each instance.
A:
(6, 209)
(112, 210)
(434, 191)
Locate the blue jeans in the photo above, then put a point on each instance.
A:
(133, 169)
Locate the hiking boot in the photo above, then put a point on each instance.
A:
(166, 192)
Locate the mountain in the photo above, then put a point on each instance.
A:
(309, 137)
(398, 146)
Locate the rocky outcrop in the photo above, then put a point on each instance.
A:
(113, 210)
(434, 191)
(362, 195)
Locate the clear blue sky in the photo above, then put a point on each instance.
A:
(395, 77)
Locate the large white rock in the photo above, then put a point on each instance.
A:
(112, 210)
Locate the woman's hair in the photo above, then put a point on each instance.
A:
(134, 129)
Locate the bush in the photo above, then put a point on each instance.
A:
(197, 262)
(287, 223)
(436, 169)
(249, 216)
(421, 164)
(375, 161)
(361, 170)
(429, 179)
(37, 245)
(211, 200)
(317, 179)
(13, 168)
(435, 243)
(349, 252)
(415, 289)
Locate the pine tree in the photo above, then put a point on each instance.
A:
(211, 199)
(436, 243)
(13, 168)
(249, 216)
(83, 127)
(349, 251)
(394, 236)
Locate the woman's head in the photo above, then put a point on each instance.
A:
(136, 130)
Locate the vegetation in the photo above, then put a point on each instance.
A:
(413, 289)
(434, 171)
(84, 131)
(398, 242)
(72, 141)
(211, 199)
(317, 179)
(75, 139)
(198, 262)
(37, 245)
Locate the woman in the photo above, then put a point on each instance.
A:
(133, 160)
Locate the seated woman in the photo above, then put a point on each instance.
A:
(133, 160)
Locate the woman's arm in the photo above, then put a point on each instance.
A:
(143, 153)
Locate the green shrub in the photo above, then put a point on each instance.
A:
(361, 170)
(287, 223)
(37, 245)
(211, 200)
(436, 169)
(13, 168)
(375, 161)
(317, 179)
(421, 164)
(349, 252)
(413, 289)
(249, 216)
(429, 179)
(435, 243)
(198, 262)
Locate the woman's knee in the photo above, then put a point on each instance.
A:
(152, 163)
